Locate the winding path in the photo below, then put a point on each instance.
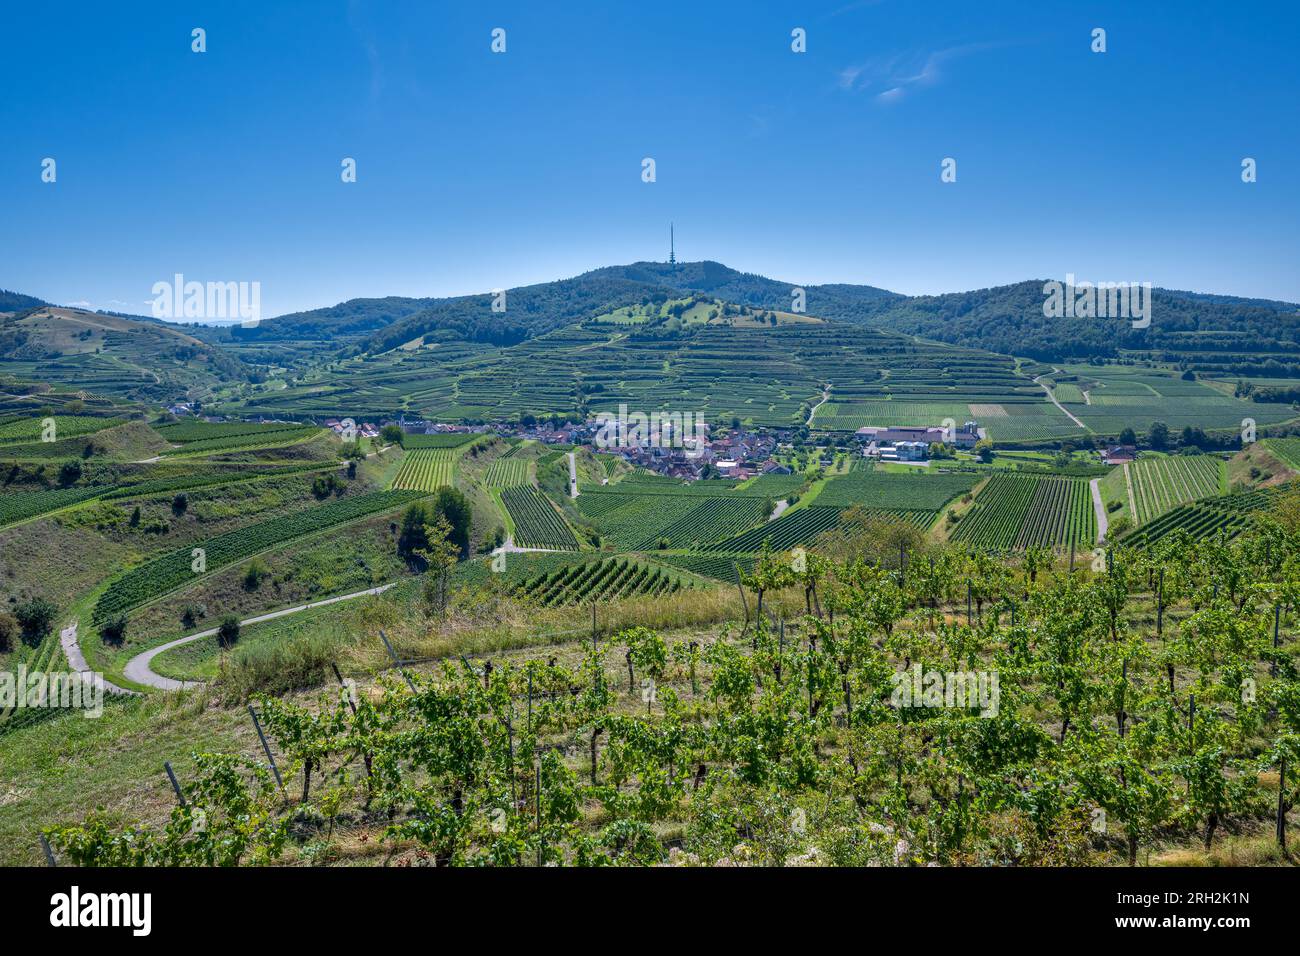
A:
(1058, 404)
(826, 397)
(139, 670)
(77, 660)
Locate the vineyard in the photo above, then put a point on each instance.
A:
(508, 472)
(20, 505)
(427, 470)
(1288, 449)
(606, 580)
(887, 492)
(440, 440)
(882, 734)
(537, 523)
(640, 523)
(155, 578)
(20, 430)
(1015, 512)
(244, 441)
(792, 529)
(1159, 484)
(1219, 517)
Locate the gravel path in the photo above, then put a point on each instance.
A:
(1099, 506)
(138, 668)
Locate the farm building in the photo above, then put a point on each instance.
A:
(965, 435)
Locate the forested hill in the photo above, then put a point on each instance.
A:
(16, 302)
(1200, 331)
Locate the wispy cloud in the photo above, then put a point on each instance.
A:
(890, 79)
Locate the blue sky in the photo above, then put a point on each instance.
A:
(478, 170)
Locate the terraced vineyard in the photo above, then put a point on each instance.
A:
(184, 432)
(163, 574)
(1014, 512)
(427, 470)
(20, 505)
(1160, 484)
(605, 580)
(508, 472)
(245, 441)
(537, 523)
(21, 430)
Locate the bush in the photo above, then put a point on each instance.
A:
(113, 631)
(228, 632)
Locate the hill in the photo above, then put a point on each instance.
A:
(121, 358)
(1220, 334)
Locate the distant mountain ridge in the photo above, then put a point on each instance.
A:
(1227, 334)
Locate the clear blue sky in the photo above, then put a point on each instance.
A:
(478, 170)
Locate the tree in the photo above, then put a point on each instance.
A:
(984, 450)
(1158, 437)
(36, 619)
(180, 504)
(1128, 437)
(9, 631)
(450, 505)
(392, 434)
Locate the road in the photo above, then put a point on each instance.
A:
(1058, 404)
(138, 668)
(77, 660)
(826, 397)
(1099, 506)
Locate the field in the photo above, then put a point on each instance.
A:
(537, 523)
(1159, 484)
(427, 469)
(1015, 512)
(1121, 397)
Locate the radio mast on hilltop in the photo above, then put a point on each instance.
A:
(672, 254)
